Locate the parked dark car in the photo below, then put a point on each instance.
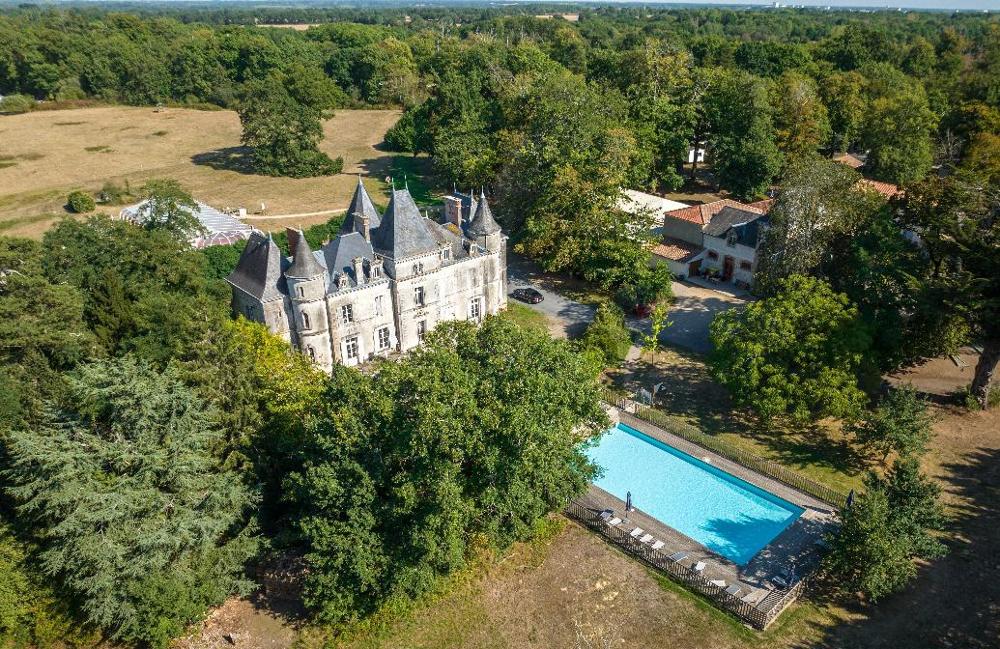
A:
(529, 295)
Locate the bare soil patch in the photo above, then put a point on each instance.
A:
(56, 152)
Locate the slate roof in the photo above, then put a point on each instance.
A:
(483, 222)
(746, 223)
(338, 255)
(403, 231)
(258, 271)
(305, 264)
(361, 203)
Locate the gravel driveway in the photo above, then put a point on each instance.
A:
(693, 309)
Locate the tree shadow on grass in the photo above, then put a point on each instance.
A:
(690, 394)
(234, 158)
(954, 601)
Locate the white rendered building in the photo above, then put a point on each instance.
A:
(381, 284)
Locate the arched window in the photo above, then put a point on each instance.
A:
(312, 353)
(301, 291)
(305, 320)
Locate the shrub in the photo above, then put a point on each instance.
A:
(608, 334)
(16, 104)
(81, 202)
(112, 194)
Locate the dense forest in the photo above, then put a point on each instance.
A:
(127, 392)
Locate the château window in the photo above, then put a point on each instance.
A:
(250, 311)
(305, 321)
(312, 353)
(418, 268)
(351, 348)
(746, 265)
(383, 338)
(347, 314)
(712, 254)
(446, 253)
(301, 290)
(378, 305)
(418, 295)
(421, 330)
(731, 238)
(476, 309)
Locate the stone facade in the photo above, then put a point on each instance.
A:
(383, 283)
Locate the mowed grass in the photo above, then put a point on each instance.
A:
(48, 154)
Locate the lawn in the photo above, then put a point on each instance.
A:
(691, 397)
(47, 154)
(527, 317)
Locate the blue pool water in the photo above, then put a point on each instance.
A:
(725, 514)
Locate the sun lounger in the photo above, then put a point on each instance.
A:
(721, 583)
(637, 532)
(733, 590)
(700, 566)
(646, 538)
(606, 514)
(658, 545)
(753, 596)
(614, 522)
(678, 556)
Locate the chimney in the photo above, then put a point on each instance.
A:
(359, 269)
(362, 225)
(453, 210)
(293, 239)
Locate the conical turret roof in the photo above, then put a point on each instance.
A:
(483, 222)
(258, 272)
(305, 264)
(362, 204)
(403, 232)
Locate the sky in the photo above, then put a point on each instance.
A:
(993, 5)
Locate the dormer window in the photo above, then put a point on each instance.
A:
(731, 238)
(446, 253)
(418, 268)
(376, 271)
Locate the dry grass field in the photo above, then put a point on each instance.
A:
(45, 155)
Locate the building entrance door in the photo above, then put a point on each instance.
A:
(727, 269)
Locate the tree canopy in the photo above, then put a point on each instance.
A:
(796, 353)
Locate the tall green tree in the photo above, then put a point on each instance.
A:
(170, 208)
(745, 156)
(956, 219)
(126, 501)
(477, 435)
(899, 424)
(796, 353)
(800, 118)
(885, 532)
(283, 133)
(898, 126)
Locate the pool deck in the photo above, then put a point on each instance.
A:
(795, 546)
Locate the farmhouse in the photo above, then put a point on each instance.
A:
(720, 237)
(381, 284)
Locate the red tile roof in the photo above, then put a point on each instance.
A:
(849, 160)
(886, 189)
(702, 214)
(676, 250)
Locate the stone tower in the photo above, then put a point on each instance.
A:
(307, 290)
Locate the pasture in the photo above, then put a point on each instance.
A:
(45, 155)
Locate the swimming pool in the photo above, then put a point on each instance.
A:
(722, 512)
